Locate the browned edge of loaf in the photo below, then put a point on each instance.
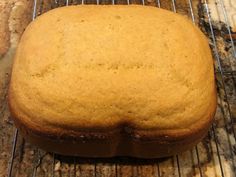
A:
(123, 140)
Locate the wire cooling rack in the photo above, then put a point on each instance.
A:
(214, 156)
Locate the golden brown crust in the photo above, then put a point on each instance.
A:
(121, 141)
(154, 100)
(115, 143)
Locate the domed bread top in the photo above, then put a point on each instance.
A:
(94, 68)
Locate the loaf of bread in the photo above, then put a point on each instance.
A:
(102, 81)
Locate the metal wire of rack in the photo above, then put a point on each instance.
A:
(227, 114)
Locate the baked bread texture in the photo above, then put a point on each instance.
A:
(102, 81)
